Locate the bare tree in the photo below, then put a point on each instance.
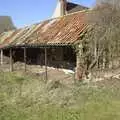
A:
(104, 37)
(101, 41)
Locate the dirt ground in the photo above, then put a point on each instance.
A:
(98, 78)
(53, 73)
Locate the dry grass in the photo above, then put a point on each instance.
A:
(26, 97)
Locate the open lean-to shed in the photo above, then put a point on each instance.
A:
(48, 43)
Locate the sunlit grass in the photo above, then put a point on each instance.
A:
(23, 97)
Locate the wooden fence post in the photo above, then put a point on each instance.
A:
(11, 60)
(25, 68)
(1, 56)
(46, 74)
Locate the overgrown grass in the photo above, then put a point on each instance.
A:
(23, 97)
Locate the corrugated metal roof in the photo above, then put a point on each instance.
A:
(63, 30)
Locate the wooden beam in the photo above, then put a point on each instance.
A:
(46, 74)
(25, 68)
(1, 56)
(11, 60)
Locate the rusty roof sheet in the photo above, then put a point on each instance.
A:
(58, 31)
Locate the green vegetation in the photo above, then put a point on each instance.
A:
(6, 24)
(23, 97)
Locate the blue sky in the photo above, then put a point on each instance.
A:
(26, 12)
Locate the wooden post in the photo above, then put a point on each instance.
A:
(11, 60)
(46, 75)
(25, 59)
(1, 56)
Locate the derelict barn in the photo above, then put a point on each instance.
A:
(48, 43)
(57, 35)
